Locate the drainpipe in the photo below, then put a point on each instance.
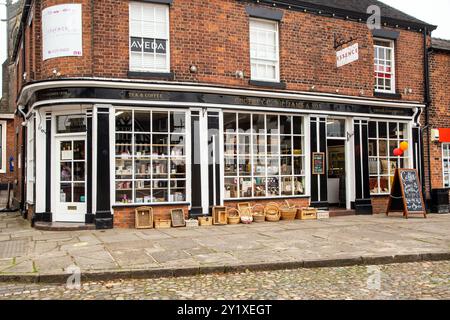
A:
(427, 103)
(22, 152)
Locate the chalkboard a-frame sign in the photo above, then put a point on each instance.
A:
(406, 195)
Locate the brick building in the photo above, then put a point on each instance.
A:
(437, 131)
(193, 104)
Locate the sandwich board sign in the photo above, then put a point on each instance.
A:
(406, 195)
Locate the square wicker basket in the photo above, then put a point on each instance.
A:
(144, 218)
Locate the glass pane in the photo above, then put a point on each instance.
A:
(178, 168)
(273, 145)
(245, 187)
(160, 168)
(160, 122)
(259, 165)
(298, 146)
(298, 125)
(336, 128)
(124, 169)
(299, 186)
(66, 150)
(177, 122)
(229, 122)
(272, 124)
(285, 125)
(124, 144)
(66, 171)
(392, 146)
(373, 184)
(273, 187)
(230, 144)
(384, 166)
(286, 186)
(373, 166)
(79, 172)
(142, 145)
(124, 121)
(244, 166)
(393, 132)
(286, 145)
(382, 130)
(384, 184)
(273, 166)
(177, 191)
(298, 166)
(124, 191)
(160, 144)
(141, 121)
(373, 150)
(259, 185)
(230, 166)
(161, 191)
(259, 145)
(79, 150)
(244, 122)
(403, 134)
(383, 148)
(244, 145)
(79, 192)
(286, 166)
(259, 126)
(66, 193)
(70, 124)
(372, 129)
(142, 192)
(143, 169)
(231, 188)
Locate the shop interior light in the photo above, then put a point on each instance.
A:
(118, 113)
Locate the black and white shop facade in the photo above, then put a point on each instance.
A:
(94, 146)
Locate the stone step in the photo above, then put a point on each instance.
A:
(63, 226)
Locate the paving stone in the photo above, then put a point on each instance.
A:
(131, 258)
(165, 256)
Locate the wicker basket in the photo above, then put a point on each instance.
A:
(288, 212)
(308, 214)
(258, 213)
(234, 216)
(272, 212)
(205, 221)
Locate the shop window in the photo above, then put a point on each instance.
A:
(150, 156)
(263, 155)
(446, 164)
(149, 37)
(384, 137)
(264, 50)
(384, 66)
(70, 124)
(336, 128)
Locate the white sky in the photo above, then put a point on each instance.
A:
(435, 12)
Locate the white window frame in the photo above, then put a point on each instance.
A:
(393, 73)
(185, 156)
(143, 5)
(280, 176)
(252, 59)
(30, 174)
(3, 128)
(446, 173)
(408, 159)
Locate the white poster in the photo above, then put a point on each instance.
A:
(347, 55)
(62, 31)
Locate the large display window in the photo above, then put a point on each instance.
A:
(264, 155)
(150, 156)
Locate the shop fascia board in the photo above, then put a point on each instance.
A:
(30, 89)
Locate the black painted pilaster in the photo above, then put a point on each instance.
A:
(103, 215)
(363, 201)
(319, 183)
(90, 217)
(196, 183)
(214, 161)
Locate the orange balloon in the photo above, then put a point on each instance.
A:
(404, 146)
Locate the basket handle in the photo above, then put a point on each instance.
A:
(258, 206)
(233, 210)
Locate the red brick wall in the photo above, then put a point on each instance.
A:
(8, 176)
(379, 204)
(218, 44)
(439, 113)
(124, 217)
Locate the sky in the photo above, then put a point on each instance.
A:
(435, 12)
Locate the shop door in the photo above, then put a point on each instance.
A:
(70, 180)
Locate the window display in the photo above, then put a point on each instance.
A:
(264, 155)
(446, 164)
(150, 156)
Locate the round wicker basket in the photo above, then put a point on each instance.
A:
(233, 216)
(288, 213)
(258, 213)
(272, 212)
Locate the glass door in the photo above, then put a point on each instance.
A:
(70, 180)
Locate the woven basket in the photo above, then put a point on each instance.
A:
(272, 212)
(258, 213)
(234, 216)
(288, 212)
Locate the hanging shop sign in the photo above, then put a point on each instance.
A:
(406, 195)
(62, 31)
(347, 55)
(318, 159)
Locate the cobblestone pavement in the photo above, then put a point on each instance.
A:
(426, 280)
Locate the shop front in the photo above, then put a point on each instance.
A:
(103, 149)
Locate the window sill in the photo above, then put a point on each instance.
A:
(268, 198)
(275, 85)
(387, 95)
(151, 75)
(158, 204)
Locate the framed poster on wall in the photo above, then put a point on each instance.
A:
(318, 163)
